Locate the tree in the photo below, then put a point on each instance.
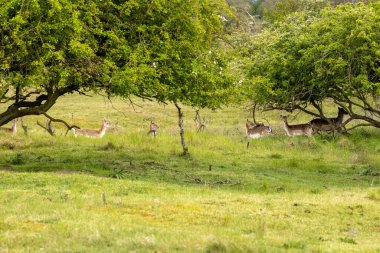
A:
(48, 49)
(174, 53)
(310, 59)
(169, 51)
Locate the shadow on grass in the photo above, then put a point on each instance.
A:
(273, 164)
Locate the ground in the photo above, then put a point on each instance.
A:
(130, 192)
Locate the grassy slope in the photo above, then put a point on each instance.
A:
(280, 194)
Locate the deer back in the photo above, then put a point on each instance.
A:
(329, 124)
(258, 131)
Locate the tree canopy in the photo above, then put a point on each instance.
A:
(174, 53)
(312, 58)
(163, 50)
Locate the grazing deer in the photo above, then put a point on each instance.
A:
(93, 133)
(256, 131)
(12, 129)
(329, 124)
(293, 130)
(153, 129)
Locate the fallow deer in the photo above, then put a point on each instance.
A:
(256, 131)
(12, 129)
(300, 129)
(329, 124)
(93, 133)
(153, 129)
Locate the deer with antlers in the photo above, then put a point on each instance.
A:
(256, 131)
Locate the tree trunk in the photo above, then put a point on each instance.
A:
(254, 115)
(38, 107)
(182, 131)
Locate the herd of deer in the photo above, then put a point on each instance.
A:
(86, 132)
(254, 131)
(308, 129)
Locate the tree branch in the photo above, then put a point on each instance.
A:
(69, 127)
(356, 126)
(48, 127)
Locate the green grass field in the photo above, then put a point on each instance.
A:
(279, 195)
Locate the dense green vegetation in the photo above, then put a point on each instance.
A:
(162, 50)
(310, 58)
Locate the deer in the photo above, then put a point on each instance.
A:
(153, 129)
(12, 129)
(300, 129)
(329, 124)
(93, 133)
(256, 131)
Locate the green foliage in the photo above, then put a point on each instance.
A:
(161, 49)
(173, 52)
(118, 173)
(50, 42)
(311, 58)
(282, 9)
(18, 159)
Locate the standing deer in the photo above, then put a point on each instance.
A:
(93, 133)
(256, 131)
(12, 129)
(329, 124)
(293, 130)
(153, 129)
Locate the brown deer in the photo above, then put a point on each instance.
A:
(12, 129)
(93, 133)
(300, 129)
(329, 124)
(256, 131)
(153, 129)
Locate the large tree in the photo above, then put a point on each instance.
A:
(166, 50)
(48, 49)
(310, 59)
(174, 52)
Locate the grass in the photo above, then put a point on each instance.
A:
(130, 192)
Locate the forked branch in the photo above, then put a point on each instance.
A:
(49, 128)
(69, 127)
(201, 124)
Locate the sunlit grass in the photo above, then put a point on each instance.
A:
(55, 212)
(279, 194)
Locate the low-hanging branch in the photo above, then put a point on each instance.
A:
(69, 127)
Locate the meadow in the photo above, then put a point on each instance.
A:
(130, 192)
